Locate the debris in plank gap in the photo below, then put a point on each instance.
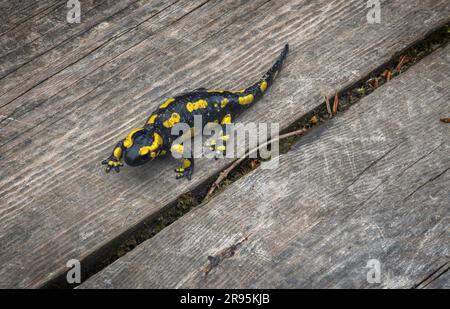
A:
(314, 120)
(327, 102)
(387, 74)
(254, 164)
(373, 83)
(335, 104)
(403, 60)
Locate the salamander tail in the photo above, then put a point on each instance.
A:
(266, 81)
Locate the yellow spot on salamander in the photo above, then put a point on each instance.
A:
(224, 103)
(186, 163)
(128, 142)
(246, 99)
(174, 119)
(118, 153)
(177, 148)
(263, 86)
(165, 104)
(238, 91)
(196, 105)
(152, 119)
(219, 91)
(157, 141)
(226, 119)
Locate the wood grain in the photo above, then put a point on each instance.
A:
(370, 184)
(15, 13)
(78, 50)
(40, 35)
(64, 110)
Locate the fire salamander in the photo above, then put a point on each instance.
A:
(155, 138)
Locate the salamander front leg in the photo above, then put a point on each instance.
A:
(114, 161)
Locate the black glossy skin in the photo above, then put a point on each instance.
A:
(214, 111)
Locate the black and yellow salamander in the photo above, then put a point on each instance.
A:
(215, 106)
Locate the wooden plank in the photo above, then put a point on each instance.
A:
(58, 204)
(370, 184)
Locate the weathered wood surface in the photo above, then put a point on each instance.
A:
(63, 111)
(14, 13)
(42, 34)
(372, 183)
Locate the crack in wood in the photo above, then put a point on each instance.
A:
(368, 167)
(427, 182)
(420, 159)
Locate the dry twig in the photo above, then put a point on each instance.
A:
(314, 120)
(403, 60)
(327, 102)
(335, 104)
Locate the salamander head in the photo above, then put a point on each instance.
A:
(141, 146)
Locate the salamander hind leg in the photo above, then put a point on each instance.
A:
(186, 169)
(219, 145)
